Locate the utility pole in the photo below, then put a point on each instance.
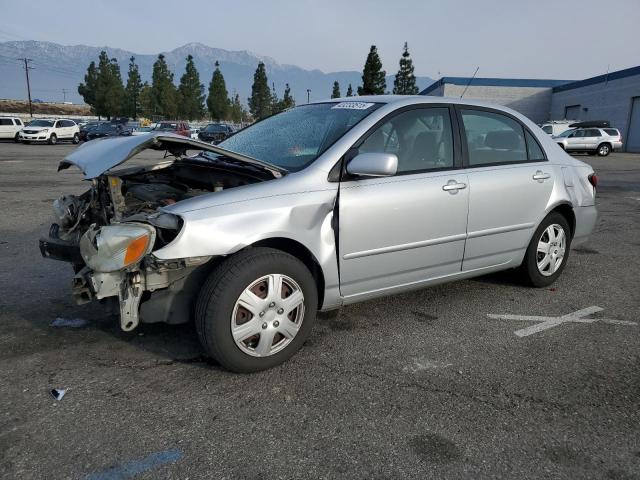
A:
(308, 94)
(64, 95)
(26, 71)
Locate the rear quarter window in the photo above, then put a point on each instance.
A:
(5, 121)
(612, 132)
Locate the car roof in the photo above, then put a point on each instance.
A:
(414, 99)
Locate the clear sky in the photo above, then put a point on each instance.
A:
(562, 39)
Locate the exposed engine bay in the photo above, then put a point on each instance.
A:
(136, 194)
(109, 232)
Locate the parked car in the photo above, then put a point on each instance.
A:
(50, 131)
(193, 132)
(215, 133)
(341, 201)
(108, 130)
(586, 137)
(10, 127)
(179, 128)
(556, 127)
(142, 130)
(86, 128)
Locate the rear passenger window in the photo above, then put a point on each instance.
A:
(5, 121)
(533, 148)
(420, 138)
(493, 138)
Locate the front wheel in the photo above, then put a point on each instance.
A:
(17, 138)
(548, 251)
(53, 139)
(256, 309)
(76, 139)
(604, 150)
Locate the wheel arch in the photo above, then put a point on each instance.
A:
(566, 210)
(302, 253)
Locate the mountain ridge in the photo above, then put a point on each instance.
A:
(59, 67)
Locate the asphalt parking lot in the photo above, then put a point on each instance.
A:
(420, 385)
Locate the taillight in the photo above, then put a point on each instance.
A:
(593, 180)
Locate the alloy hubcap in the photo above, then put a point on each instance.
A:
(267, 315)
(551, 249)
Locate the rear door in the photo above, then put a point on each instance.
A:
(510, 183)
(401, 230)
(592, 138)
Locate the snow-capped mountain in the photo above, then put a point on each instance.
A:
(57, 67)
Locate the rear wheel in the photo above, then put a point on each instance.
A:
(548, 251)
(53, 139)
(76, 139)
(604, 150)
(256, 309)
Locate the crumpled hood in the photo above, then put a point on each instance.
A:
(99, 156)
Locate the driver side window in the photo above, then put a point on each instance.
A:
(421, 139)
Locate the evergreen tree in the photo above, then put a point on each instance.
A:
(218, 101)
(88, 89)
(405, 81)
(132, 90)
(336, 90)
(109, 91)
(373, 81)
(146, 102)
(164, 95)
(349, 91)
(260, 100)
(236, 112)
(276, 106)
(191, 93)
(287, 100)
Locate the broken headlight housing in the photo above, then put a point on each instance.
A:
(115, 247)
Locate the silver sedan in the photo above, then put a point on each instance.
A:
(320, 206)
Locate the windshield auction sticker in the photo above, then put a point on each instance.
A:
(352, 105)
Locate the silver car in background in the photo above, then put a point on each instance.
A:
(594, 141)
(320, 206)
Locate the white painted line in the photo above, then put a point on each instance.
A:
(546, 323)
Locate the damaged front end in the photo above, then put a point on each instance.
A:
(109, 233)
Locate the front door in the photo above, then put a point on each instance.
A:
(402, 230)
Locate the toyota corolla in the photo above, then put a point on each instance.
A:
(320, 206)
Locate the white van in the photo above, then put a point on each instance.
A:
(556, 127)
(10, 127)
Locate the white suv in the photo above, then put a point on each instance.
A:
(50, 131)
(10, 127)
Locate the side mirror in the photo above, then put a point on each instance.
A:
(373, 165)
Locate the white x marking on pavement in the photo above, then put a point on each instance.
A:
(546, 323)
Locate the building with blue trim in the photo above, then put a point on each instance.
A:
(614, 96)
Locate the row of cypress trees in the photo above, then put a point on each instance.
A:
(373, 77)
(105, 92)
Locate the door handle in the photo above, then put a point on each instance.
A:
(452, 186)
(540, 176)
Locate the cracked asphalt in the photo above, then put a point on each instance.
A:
(419, 385)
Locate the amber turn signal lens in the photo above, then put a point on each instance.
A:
(136, 249)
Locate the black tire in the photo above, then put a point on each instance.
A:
(530, 272)
(217, 298)
(76, 139)
(17, 138)
(604, 149)
(53, 139)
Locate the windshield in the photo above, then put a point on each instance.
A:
(295, 138)
(215, 128)
(566, 133)
(41, 123)
(105, 127)
(167, 127)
